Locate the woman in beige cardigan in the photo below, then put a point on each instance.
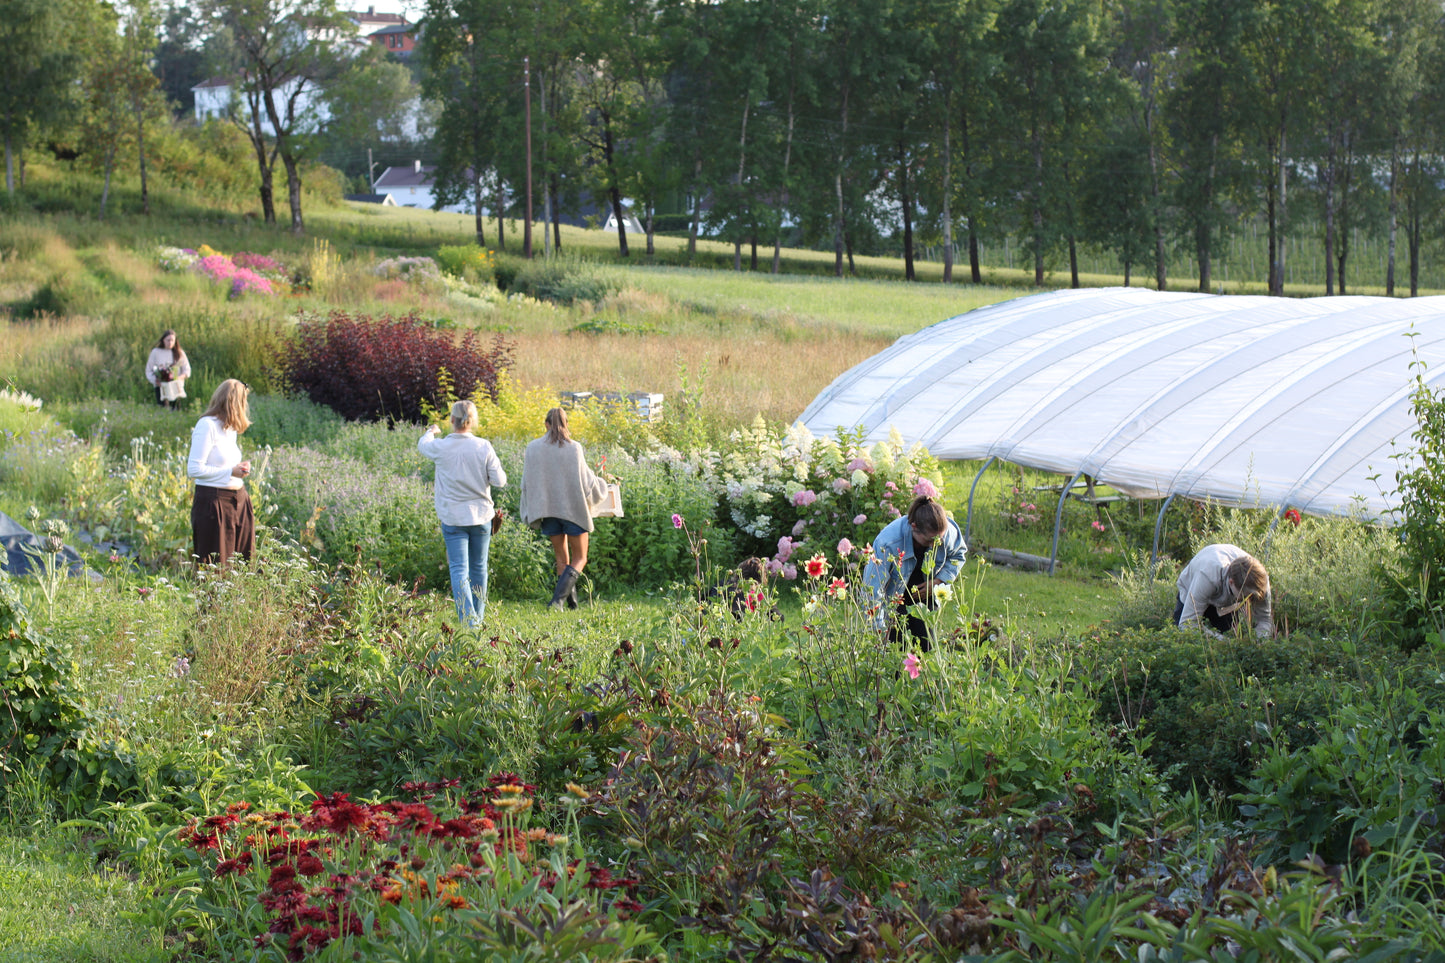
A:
(559, 494)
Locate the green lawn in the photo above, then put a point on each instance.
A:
(56, 905)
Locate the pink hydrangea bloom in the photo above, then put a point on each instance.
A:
(924, 487)
(804, 498)
(859, 519)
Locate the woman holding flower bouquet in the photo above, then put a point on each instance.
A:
(222, 521)
(167, 369)
(466, 469)
(915, 558)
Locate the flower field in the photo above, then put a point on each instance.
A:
(717, 756)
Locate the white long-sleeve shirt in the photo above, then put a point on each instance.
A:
(467, 468)
(214, 452)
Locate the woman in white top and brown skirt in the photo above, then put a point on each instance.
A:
(222, 521)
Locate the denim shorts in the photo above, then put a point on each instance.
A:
(560, 526)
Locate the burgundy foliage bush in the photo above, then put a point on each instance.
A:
(370, 369)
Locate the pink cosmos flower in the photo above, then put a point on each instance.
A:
(676, 520)
(912, 666)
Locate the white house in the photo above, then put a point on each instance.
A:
(412, 187)
(214, 98)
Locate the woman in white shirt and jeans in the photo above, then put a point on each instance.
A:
(466, 469)
(222, 521)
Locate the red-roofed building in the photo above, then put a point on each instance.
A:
(399, 38)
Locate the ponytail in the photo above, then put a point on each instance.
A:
(927, 515)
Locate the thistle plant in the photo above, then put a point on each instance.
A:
(49, 569)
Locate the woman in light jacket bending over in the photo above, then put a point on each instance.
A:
(913, 555)
(1224, 586)
(559, 494)
(222, 521)
(466, 469)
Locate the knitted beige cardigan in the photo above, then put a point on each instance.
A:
(556, 483)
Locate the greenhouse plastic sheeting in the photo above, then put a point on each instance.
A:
(1244, 400)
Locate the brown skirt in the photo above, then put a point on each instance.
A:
(222, 524)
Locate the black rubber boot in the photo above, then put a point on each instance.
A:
(566, 585)
(572, 595)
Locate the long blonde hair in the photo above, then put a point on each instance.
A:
(229, 407)
(557, 432)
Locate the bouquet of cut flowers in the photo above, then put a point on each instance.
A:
(166, 372)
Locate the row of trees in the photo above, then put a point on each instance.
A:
(1142, 126)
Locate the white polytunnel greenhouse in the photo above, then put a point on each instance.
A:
(1279, 402)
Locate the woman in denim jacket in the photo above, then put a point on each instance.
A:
(913, 555)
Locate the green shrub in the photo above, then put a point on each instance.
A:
(1372, 773)
(339, 508)
(470, 262)
(645, 548)
(1206, 704)
(116, 424)
(1418, 588)
(563, 280)
(75, 292)
(277, 420)
(45, 718)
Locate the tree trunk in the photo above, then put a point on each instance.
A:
(1073, 261)
(616, 196)
(742, 159)
(785, 199)
(477, 216)
(1036, 141)
(907, 202)
(501, 207)
(1394, 218)
(947, 189)
(293, 192)
(1161, 260)
(838, 227)
(556, 189)
(696, 208)
(109, 166)
(140, 143)
(1413, 222)
(1203, 253)
(9, 167)
(975, 268)
(649, 209)
(1327, 190)
(753, 263)
(1127, 265)
(1203, 233)
(268, 199)
(1279, 222)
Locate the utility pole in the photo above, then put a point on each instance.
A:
(370, 170)
(527, 224)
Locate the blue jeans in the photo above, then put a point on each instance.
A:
(467, 559)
